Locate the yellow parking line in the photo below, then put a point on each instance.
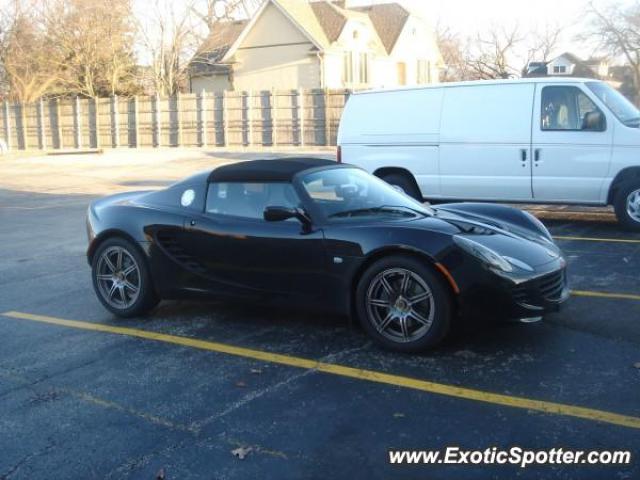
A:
(596, 239)
(617, 296)
(350, 372)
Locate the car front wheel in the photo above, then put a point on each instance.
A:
(403, 304)
(627, 205)
(121, 278)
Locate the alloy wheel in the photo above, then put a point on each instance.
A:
(400, 305)
(633, 205)
(118, 277)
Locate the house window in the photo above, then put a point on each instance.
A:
(364, 68)
(423, 72)
(348, 67)
(356, 68)
(559, 69)
(402, 73)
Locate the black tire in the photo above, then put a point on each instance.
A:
(404, 183)
(442, 304)
(620, 205)
(146, 298)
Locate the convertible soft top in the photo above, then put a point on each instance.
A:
(276, 170)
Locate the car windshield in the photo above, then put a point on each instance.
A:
(348, 193)
(622, 108)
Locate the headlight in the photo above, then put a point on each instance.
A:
(538, 224)
(485, 254)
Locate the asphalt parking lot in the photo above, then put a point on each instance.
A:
(84, 395)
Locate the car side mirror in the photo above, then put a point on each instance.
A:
(593, 122)
(279, 214)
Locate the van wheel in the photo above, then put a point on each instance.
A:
(404, 184)
(627, 205)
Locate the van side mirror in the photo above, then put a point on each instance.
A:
(280, 214)
(594, 122)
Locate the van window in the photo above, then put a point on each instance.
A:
(568, 108)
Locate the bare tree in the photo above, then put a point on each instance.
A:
(29, 62)
(455, 55)
(493, 55)
(211, 12)
(95, 40)
(617, 30)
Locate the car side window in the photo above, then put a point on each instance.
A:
(249, 200)
(566, 108)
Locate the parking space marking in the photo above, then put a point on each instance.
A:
(595, 239)
(348, 372)
(617, 296)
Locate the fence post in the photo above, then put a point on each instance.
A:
(156, 121)
(225, 117)
(327, 122)
(115, 122)
(202, 117)
(249, 99)
(56, 112)
(136, 122)
(77, 138)
(301, 117)
(178, 120)
(96, 123)
(42, 139)
(274, 119)
(7, 124)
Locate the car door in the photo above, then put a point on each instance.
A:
(241, 253)
(485, 142)
(571, 155)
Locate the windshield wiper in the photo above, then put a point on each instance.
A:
(404, 211)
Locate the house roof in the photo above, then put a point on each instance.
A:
(388, 19)
(321, 21)
(216, 46)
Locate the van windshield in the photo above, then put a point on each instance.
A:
(622, 108)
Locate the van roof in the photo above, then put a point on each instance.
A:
(482, 82)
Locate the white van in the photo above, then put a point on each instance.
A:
(546, 140)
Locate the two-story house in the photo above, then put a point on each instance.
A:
(291, 44)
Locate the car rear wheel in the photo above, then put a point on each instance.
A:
(627, 205)
(404, 184)
(121, 278)
(404, 305)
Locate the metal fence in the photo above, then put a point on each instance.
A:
(265, 118)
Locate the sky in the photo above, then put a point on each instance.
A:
(469, 16)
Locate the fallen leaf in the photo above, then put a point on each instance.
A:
(241, 384)
(241, 452)
(256, 371)
(637, 365)
(160, 474)
(398, 415)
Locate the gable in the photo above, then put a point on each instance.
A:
(273, 28)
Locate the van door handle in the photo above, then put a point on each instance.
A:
(523, 154)
(536, 155)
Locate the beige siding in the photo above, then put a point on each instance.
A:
(417, 42)
(275, 54)
(213, 83)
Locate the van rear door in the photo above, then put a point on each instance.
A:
(485, 142)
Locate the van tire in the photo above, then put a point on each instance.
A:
(403, 183)
(625, 191)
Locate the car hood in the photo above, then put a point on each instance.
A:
(504, 232)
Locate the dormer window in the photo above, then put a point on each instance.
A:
(559, 69)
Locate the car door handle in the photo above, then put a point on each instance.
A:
(193, 223)
(523, 154)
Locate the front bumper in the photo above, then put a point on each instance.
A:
(530, 297)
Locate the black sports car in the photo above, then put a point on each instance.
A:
(325, 236)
